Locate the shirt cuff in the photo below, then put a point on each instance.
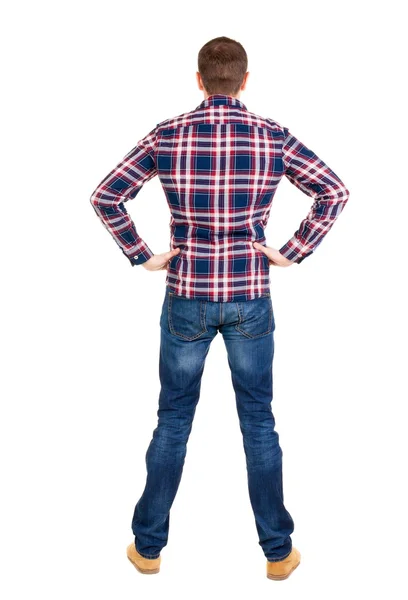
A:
(295, 251)
(140, 256)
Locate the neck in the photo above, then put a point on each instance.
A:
(220, 93)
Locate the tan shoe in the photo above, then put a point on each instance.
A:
(142, 564)
(281, 569)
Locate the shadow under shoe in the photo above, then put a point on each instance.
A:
(281, 569)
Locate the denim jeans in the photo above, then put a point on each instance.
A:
(187, 328)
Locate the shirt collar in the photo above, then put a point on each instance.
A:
(217, 99)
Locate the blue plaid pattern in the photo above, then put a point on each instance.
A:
(219, 166)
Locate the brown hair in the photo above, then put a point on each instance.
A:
(222, 64)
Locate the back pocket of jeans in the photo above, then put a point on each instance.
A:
(186, 316)
(255, 317)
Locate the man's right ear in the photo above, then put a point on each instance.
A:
(244, 84)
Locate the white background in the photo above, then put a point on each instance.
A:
(84, 81)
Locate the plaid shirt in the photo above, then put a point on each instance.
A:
(219, 166)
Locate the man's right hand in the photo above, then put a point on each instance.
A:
(275, 257)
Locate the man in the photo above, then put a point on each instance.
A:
(219, 166)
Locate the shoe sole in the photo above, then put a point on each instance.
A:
(280, 577)
(144, 571)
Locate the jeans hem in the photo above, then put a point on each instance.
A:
(278, 559)
(150, 556)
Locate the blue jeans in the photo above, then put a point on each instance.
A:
(187, 328)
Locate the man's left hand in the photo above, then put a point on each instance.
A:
(158, 262)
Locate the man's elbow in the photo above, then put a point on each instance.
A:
(343, 195)
(94, 199)
(346, 193)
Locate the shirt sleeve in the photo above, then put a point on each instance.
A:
(312, 176)
(124, 182)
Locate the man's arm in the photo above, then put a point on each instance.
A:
(124, 182)
(313, 177)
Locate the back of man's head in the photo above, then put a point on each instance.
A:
(222, 64)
